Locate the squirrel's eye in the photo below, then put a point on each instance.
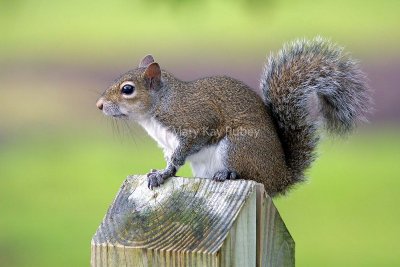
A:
(127, 89)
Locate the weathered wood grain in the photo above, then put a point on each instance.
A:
(192, 222)
(275, 246)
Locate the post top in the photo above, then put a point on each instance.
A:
(185, 214)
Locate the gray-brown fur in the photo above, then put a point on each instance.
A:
(220, 103)
(309, 84)
(304, 83)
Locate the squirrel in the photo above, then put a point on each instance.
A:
(227, 131)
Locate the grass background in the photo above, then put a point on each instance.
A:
(61, 162)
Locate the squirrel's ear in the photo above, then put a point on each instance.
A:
(147, 60)
(153, 75)
(153, 71)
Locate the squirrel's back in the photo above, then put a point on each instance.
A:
(213, 102)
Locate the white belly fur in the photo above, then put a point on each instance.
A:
(204, 163)
(166, 139)
(208, 160)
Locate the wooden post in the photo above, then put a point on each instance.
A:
(192, 222)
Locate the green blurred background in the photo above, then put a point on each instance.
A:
(62, 161)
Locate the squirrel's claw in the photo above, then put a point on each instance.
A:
(221, 176)
(156, 178)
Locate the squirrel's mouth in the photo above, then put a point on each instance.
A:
(113, 111)
(119, 115)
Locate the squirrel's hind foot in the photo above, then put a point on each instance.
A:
(221, 176)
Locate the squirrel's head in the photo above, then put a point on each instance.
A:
(130, 95)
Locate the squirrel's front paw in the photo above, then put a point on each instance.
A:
(156, 178)
(221, 176)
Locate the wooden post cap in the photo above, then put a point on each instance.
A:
(192, 222)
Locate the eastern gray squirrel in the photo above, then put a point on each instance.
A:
(227, 131)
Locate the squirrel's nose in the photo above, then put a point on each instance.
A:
(99, 104)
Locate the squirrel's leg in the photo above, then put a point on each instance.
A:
(228, 172)
(258, 156)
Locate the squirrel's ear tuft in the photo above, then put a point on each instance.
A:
(147, 60)
(153, 75)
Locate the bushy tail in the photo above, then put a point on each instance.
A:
(309, 84)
